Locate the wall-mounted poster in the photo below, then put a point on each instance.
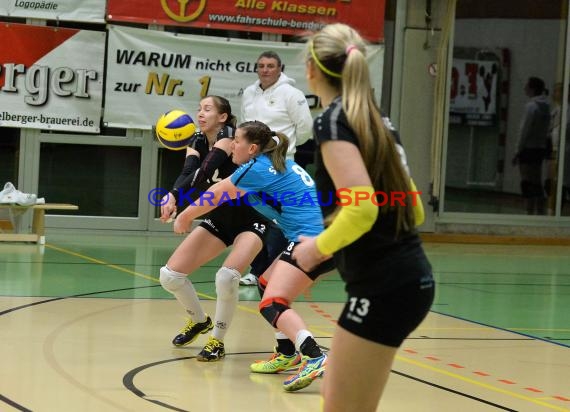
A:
(150, 72)
(269, 16)
(91, 11)
(48, 80)
(474, 92)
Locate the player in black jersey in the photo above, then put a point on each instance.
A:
(208, 159)
(372, 237)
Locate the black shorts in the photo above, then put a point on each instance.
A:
(227, 221)
(324, 267)
(388, 318)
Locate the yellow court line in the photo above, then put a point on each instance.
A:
(142, 275)
(131, 272)
(481, 384)
(102, 262)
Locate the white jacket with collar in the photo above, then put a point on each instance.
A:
(282, 107)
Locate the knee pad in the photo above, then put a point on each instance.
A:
(272, 309)
(261, 285)
(171, 280)
(227, 283)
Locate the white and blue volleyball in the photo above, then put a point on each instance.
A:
(174, 129)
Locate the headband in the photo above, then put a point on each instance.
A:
(321, 66)
(275, 137)
(350, 48)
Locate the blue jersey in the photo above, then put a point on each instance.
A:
(288, 198)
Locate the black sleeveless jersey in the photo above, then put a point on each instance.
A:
(377, 254)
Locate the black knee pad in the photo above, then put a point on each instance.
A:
(272, 309)
(261, 285)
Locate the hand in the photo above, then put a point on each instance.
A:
(167, 208)
(307, 255)
(182, 223)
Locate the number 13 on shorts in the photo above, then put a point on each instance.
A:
(357, 309)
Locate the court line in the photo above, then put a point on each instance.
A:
(54, 363)
(481, 384)
(129, 377)
(435, 385)
(317, 309)
(101, 262)
(148, 277)
(503, 329)
(28, 305)
(14, 404)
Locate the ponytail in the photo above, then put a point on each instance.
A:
(274, 144)
(340, 53)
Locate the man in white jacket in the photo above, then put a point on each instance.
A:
(274, 100)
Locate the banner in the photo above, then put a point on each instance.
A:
(474, 92)
(267, 16)
(151, 72)
(51, 78)
(92, 11)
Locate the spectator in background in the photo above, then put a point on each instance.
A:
(274, 100)
(566, 174)
(533, 145)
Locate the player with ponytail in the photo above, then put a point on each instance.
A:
(284, 192)
(374, 244)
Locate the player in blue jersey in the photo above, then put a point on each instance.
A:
(283, 191)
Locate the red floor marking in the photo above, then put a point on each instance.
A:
(433, 358)
(322, 312)
(507, 381)
(483, 374)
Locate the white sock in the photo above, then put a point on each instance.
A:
(188, 298)
(227, 291)
(280, 335)
(300, 338)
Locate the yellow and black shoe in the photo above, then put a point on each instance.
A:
(213, 351)
(191, 331)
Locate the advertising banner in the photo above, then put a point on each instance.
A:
(66, 10)
(474, 92)
(151, 72)
(51, 78)
(269, 16)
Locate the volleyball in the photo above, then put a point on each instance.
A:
(174, 129)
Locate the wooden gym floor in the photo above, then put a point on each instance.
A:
(86, 326)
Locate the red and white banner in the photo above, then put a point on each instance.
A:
(66, 10)
(151, 72)
(473, 99)
(51, 78)
(269, 16)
